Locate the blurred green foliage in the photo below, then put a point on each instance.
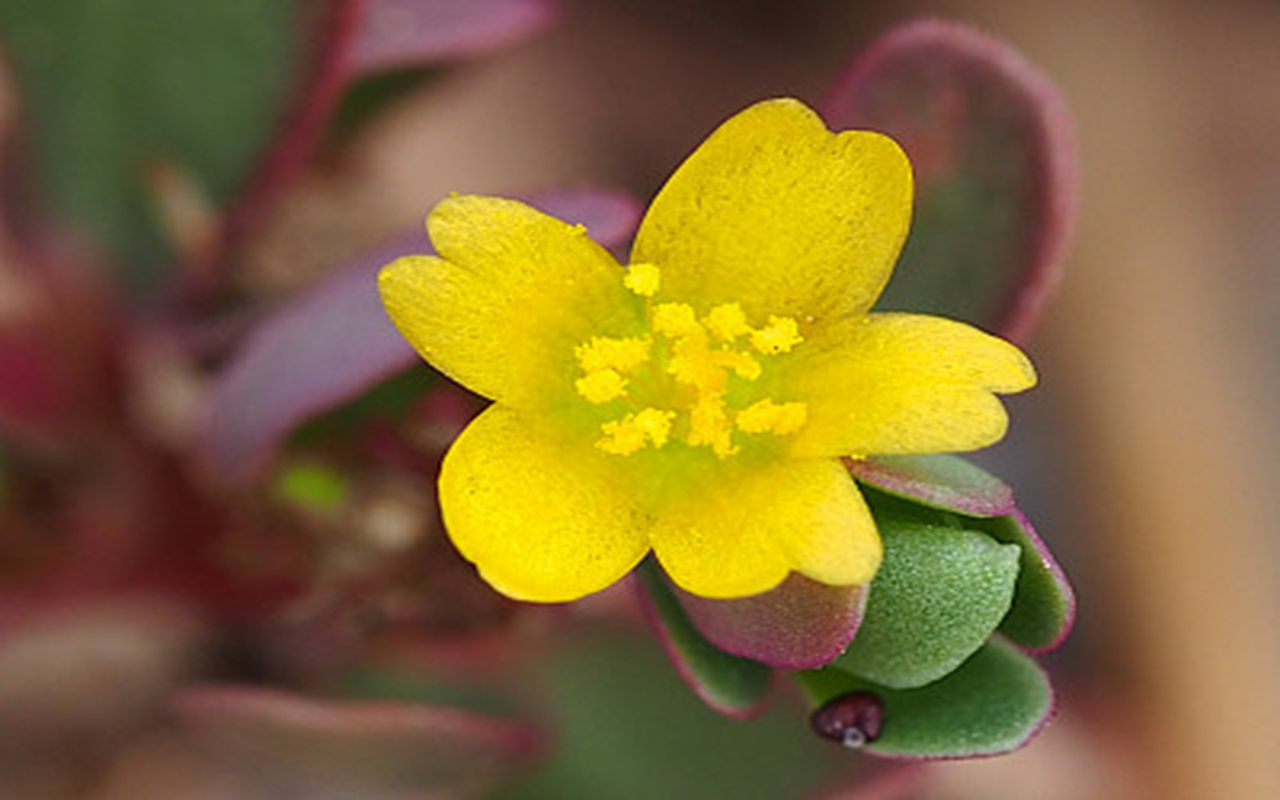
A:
(113, 89)
(629, 730)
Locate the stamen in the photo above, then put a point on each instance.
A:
(621, 438)
(693, 364)
(675, 320)
(690, 367)
(779, 336)
(603, 352)
(630, 434)
(742, 364)
(643, 279)
(709, 425)
(727, 322)
(656, 425)
(601, 386)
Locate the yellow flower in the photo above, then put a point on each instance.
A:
(696, 403)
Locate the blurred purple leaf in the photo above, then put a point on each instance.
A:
(734, 686)
(327, 346)
(291, 746)
(942, 481)
(397, 34)
(802, 624)
(990, 140)
(335, 342)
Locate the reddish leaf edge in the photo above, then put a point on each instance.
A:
(1000, 506)
(1047, 717)
(653, 617)
(1060, 578)
(1053, 127)
(702, 613)
(1050, 713)
(324, 75)
(247, 462)
(885, 476)
(320, 80)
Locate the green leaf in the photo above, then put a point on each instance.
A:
(115, 88)
(937, 597)
(995, 702)
(734, 686)
(1044, 604)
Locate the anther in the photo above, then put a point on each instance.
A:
(601, 386)
(727, 322)
(675, 320)
(632, 432)
(643, 279)
(779, 336)
(603, 352)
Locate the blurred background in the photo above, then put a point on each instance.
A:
(1147, 456)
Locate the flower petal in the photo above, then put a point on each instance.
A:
(906, 383)
(779, 214)
(743, 536)
(511, 295)
(540, 519)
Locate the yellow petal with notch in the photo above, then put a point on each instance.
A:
(777, 213)
(510, 295)
(905, 383)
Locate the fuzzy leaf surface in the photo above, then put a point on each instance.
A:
(995, 702)
(938, 596)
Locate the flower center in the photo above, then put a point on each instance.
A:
(679, 379)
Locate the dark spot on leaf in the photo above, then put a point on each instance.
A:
(852, 719)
